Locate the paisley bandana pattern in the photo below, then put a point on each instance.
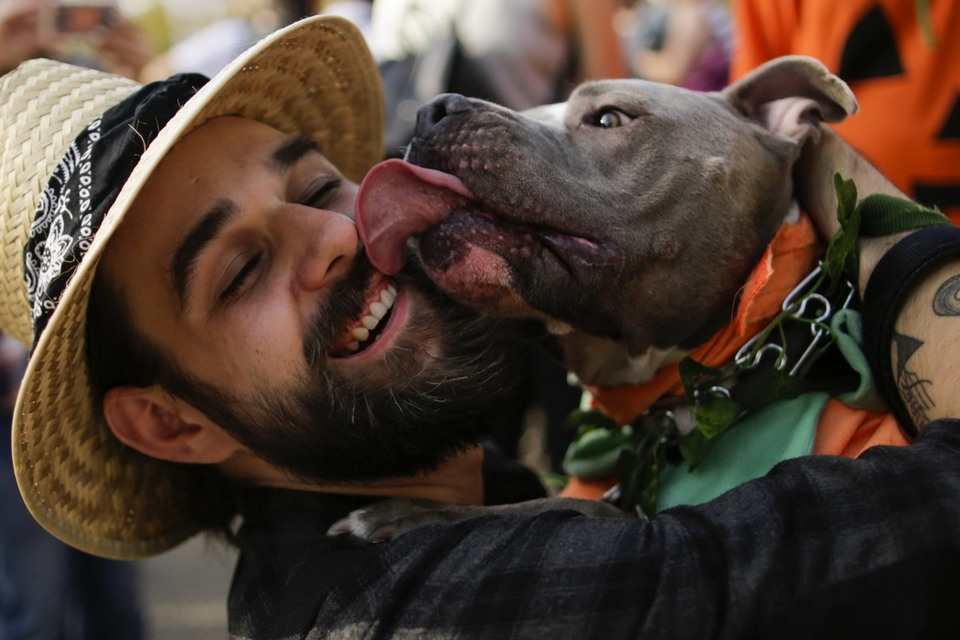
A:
(86, 183)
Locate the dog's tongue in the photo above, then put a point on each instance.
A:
(398, 200)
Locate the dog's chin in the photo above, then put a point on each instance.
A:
(513, 271)
(473, 275)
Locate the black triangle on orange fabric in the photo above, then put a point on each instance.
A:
(951, 126)
(871, 49)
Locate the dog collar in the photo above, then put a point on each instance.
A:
(789, 258)
(762, 356)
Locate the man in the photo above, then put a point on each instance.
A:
(227, 278)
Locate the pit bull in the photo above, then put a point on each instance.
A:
(631, 220)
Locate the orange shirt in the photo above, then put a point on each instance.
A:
(908, 89)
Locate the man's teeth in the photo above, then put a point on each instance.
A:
(369, 322)
(389, 295)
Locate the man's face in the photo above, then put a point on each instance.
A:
(240, 261)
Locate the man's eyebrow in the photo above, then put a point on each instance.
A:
(188, 251)
(288, 153)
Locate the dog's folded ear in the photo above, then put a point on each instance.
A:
(791, 96)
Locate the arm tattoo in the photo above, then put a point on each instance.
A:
(913, 388)
(947, 300)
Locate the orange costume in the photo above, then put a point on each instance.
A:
(902, 60)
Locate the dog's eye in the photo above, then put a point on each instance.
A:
(611, 118)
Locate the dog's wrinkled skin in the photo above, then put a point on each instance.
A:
(625, 219)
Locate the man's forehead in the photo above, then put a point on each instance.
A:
(233, 133)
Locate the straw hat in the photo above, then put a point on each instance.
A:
(313, 78)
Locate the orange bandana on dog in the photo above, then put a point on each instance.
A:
(789, 258)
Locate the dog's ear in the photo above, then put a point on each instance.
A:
(791, 96)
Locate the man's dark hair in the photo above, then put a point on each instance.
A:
(118, 355)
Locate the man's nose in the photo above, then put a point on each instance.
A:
(431, 113)
(328, 246)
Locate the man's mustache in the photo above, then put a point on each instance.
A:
(343, 305)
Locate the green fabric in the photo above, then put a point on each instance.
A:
(777, 432)
(847, 328)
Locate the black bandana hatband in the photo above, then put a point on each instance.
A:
(86, 183)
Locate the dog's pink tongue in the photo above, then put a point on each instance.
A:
(398, 200)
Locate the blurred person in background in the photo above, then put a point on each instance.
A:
(28, 29)
(902, 60)
(20, 32)
(687, 43)
(49, 590)
(208, 50)
(528, 52)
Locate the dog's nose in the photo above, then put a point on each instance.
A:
(431, 113)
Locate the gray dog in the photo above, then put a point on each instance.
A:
(626, 219)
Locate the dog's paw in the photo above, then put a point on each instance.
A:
(385, 520)
(362, 525)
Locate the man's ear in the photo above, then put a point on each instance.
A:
(159, 425)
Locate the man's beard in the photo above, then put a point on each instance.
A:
(333, 428)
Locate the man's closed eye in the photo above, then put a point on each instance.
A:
(242, 278)
(318, 198)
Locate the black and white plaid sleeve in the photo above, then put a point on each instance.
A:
(821, 547)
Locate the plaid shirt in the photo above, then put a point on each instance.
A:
(822, 547)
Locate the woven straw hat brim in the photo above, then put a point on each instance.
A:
(314, 78)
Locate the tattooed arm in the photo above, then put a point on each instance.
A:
(925, 348)
(925, 353)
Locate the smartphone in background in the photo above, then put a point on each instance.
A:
(77, 17)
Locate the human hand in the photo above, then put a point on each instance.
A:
(122, 46)
(21, 34)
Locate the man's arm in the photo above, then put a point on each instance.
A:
(924, 350)
(923, 353)
(823, 546)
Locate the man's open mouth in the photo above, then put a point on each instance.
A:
(363, 332)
